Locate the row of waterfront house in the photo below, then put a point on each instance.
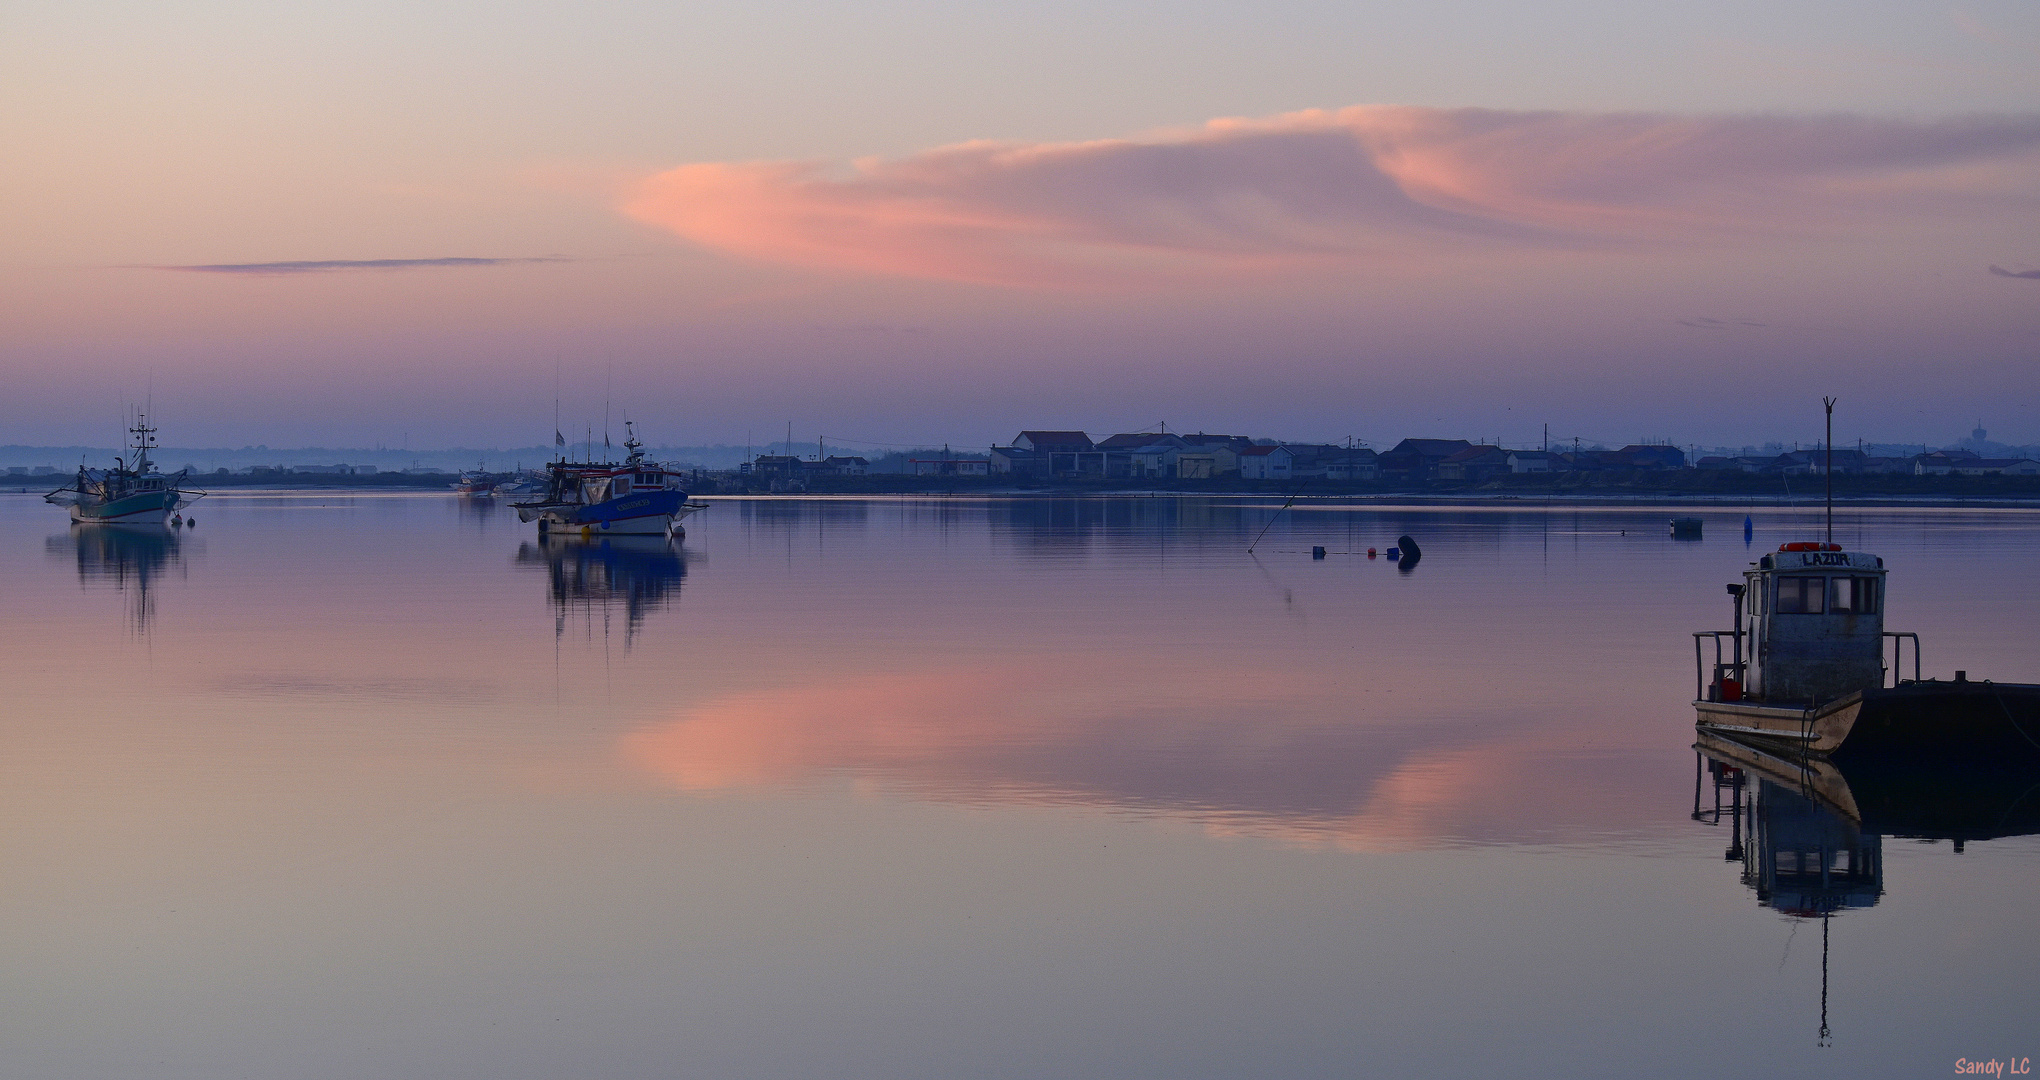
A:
(1152, 456)
(1046, 454)
(1814, 462)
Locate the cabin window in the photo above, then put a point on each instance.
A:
(623, 485)
(1856, 595)
(1801, 595)
(649, 479)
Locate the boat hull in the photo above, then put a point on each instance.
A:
(1963, 801)
(144, 508)
(1932, 719)
(652, 513)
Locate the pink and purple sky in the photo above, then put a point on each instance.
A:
(907, 222)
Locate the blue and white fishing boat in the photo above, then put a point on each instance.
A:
(130, 493)
(635, 498)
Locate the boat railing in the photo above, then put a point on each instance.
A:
(1898, 654)
(1708, 689)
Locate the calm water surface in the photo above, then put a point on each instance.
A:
(361, 785)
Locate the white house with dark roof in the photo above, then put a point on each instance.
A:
(1054, 452)
(1266, 463)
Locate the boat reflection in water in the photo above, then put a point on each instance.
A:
(635, 574)
(130, 558)
(1810, 833)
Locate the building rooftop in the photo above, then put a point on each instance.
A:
(1060, 438)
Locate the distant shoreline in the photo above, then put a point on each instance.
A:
(1553, 500)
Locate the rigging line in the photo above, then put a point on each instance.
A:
(1995, 696)
(2007, 815)
(1277, 514)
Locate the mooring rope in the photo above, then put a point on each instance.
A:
(1278, 513)
(1999, 698)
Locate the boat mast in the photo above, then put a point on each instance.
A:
(145, 440)
(630, 443)
(1830, 405)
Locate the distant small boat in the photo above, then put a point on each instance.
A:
(130, 493)
(635, 498)
(521, 486)
(474, 482)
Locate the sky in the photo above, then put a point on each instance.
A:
(907, 222)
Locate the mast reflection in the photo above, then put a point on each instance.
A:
(1810, 833)
(635, 574)
(129, 558)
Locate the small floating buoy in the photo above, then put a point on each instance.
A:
(1394, 554)
(1370, 553)
(191, 523)
(1317, 553)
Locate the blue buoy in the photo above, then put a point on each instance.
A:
(1395, 553)
(1748, 530)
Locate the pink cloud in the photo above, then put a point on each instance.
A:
(1362, 183)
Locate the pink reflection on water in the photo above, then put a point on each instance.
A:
(1234, 753)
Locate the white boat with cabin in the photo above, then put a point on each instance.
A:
(1805, 669)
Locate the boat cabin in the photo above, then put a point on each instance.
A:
(1812, 619)
(603, 485)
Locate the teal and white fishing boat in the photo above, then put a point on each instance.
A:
(130, 493)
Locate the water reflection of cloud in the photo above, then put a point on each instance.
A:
(1237, 753)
